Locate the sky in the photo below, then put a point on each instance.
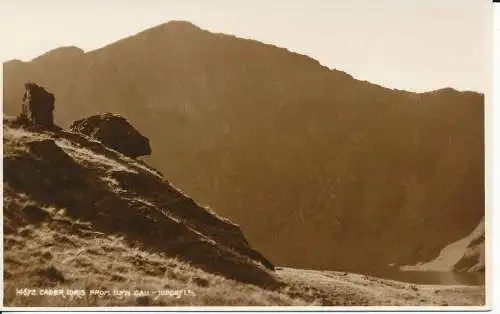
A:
(416, 45)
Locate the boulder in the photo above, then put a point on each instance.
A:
(115, 132)
(37, 106)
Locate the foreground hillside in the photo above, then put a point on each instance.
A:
(80, 216)
(299, 155)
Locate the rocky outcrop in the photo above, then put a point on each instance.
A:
(37, 106)
(473, 259)
(299, 155)
(115, 132)
(464, 255)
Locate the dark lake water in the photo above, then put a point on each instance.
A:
(430, 277)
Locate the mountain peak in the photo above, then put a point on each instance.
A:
(174, 25)
(179, 24)
(61, 53)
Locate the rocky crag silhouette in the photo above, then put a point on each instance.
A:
(464, 255)
(115, 132)
(37, 107)
(320, 170)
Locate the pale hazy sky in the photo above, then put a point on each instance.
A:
(415, 45)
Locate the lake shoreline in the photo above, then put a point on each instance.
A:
(332, 288)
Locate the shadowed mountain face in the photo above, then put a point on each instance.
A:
(319, 169)
(464, 255)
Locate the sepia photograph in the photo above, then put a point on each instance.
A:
(325, 154)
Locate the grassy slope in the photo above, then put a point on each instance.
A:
(50, 245)
(341, 288)
(91, 260)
